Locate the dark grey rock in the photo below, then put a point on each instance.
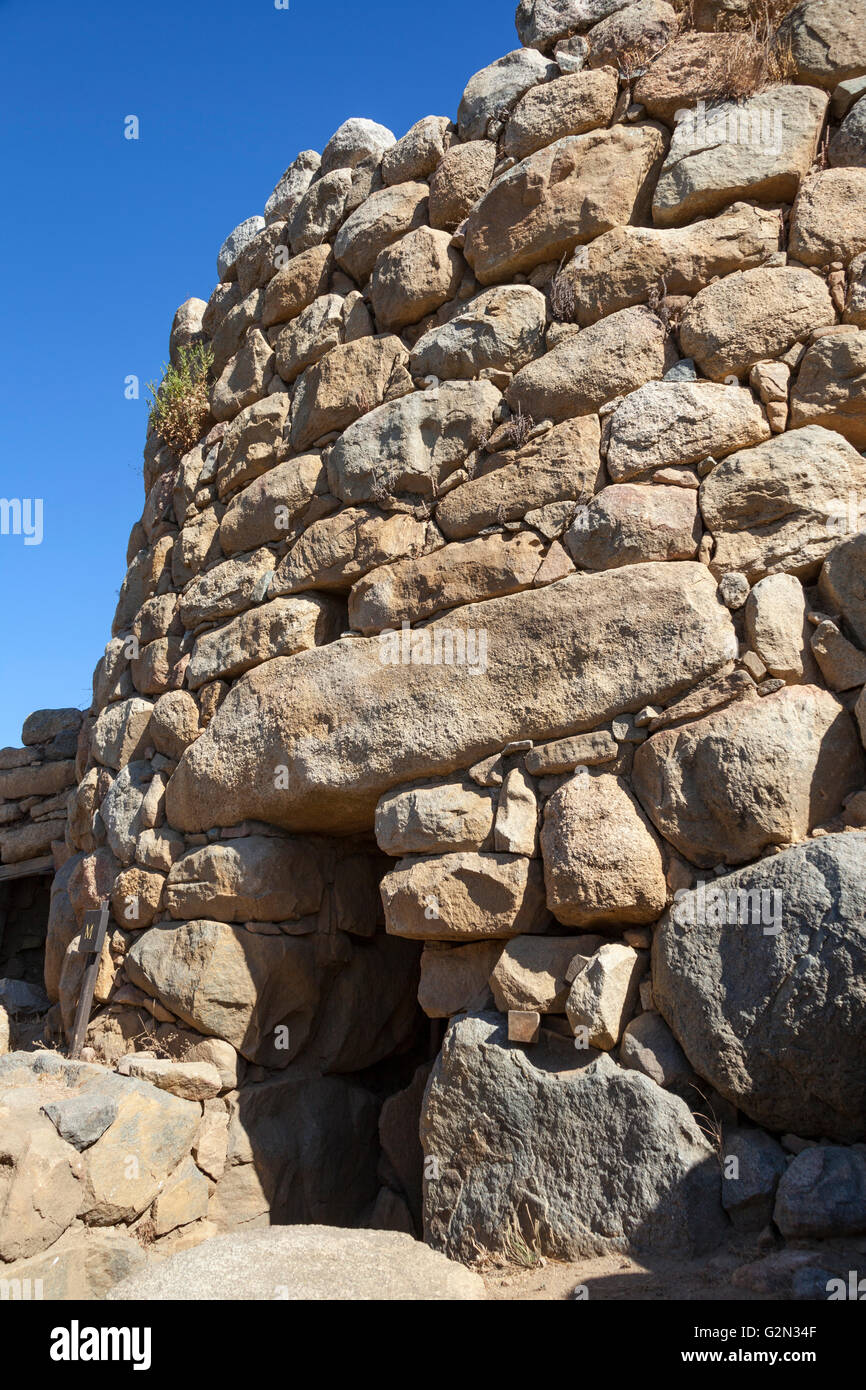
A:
(749, 1187)
(684, 370)
(649, 1046)
(17, 996)
(83, 1119)
(848, 146)
(43, 724)
(570, 1149)
(777, 1023)
(823, 1193)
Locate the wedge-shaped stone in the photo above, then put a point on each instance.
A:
(382, 219)
(681, 422)
(830, 389)
(563, 465)
(763, 986)
(501, 329)
(567, 1126)
(259, 878)
(571, 105)
(778, 507)
(843, 665)
(334, 552)
(752, 317)
(564, 195)
(761, 772)
(758, 148)
(183, 1199)
(277, 503)
(429, 819)
(350, 720)
(464, 897)
(279, 628)
(624, 265)
(410, 446)
(516, 828)
(630, 523)
(828, 221)
(649, 1046)
(603, 864)
(348, 382)
(616, 355)
(532, 972)
(603, 997)
(463, 572)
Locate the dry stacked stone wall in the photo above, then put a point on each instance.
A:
(497, 655)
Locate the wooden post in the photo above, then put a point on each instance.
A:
(90, 944)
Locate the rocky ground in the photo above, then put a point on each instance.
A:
(721, 1277)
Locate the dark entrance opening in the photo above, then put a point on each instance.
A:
(25, 899)
(24, 904)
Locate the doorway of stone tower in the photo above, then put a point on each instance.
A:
(25, 892)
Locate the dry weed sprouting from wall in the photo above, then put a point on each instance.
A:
(759, 58)
(180, 407)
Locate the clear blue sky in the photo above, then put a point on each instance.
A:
(103, 237)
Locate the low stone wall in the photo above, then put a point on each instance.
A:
(35, 782)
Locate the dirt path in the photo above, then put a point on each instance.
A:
(613, 1277)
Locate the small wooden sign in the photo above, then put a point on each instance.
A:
(90, 941)
(93, 932)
